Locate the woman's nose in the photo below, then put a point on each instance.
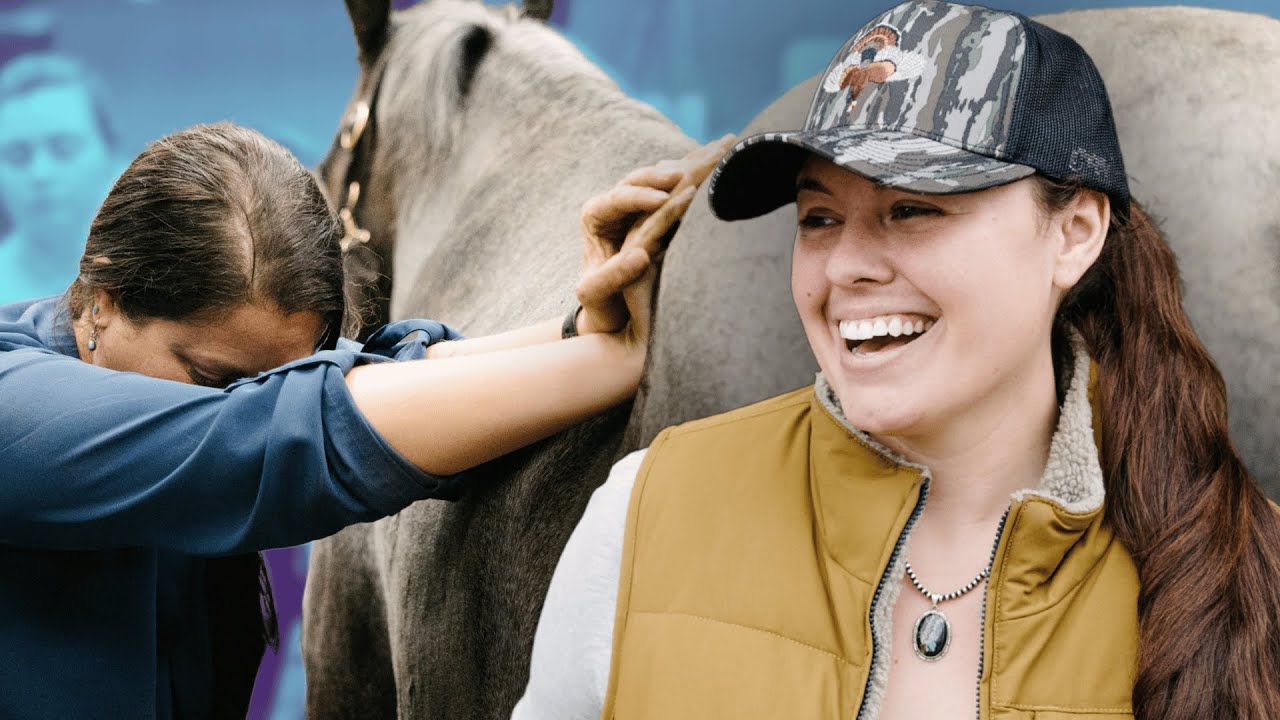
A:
(858, 257)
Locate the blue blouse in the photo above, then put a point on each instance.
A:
(114, 485)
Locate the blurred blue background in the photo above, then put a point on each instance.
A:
(127, 71)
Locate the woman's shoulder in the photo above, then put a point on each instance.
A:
(766, 412)
(35, 324)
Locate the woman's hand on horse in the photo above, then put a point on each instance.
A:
(625, 228)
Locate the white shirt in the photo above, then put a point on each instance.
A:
(573, 646)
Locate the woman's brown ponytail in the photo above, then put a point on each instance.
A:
(1205, 539)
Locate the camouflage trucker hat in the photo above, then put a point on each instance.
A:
(936, 97)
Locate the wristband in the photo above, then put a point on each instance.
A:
(570, 327)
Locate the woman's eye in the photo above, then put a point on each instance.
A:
(906, 212)
(203, 380)
(208, 382)
(812, 221)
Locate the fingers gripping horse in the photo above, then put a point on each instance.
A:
(488, 131)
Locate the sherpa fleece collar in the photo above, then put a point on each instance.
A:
(1072, 483)
(1072, 476)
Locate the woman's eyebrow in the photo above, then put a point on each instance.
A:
(809, 183)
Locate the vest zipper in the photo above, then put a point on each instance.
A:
(982, 623)
(875, 598)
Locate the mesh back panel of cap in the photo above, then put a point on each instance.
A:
(1062, 121)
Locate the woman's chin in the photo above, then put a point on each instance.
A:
(888, 416)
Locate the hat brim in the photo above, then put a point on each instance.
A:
(758, 175)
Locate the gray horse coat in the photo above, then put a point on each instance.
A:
(490, 131)
(493, 130)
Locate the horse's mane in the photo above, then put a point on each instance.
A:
(445, 49)
(496, 129)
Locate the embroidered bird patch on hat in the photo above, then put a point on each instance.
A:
(873, 58)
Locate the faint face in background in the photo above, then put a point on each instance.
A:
(56, 166)
(52, 154)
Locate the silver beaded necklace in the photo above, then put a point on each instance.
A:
(932, 634)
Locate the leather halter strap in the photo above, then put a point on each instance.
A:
(355, 151)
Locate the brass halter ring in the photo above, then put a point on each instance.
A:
(354, 234)
(352, 130)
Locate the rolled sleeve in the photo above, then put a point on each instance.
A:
(92, 458)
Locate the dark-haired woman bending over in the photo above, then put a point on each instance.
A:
(188, 403)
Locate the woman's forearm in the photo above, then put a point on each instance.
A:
(452, 413)
(95, 459)
(542, 332)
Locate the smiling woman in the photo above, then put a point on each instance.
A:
(1009, 494)
(873, 258)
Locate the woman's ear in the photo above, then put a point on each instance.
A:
(102, 307)
(1082, 229)
(102, 310)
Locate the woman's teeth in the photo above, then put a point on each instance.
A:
(885, 325)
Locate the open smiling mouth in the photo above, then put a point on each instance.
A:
(884, 332)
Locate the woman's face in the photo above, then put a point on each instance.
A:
(250, 339)
(923, 310)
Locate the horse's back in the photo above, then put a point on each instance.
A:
(726, 330)
(1196, 103)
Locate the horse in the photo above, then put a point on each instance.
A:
(488, 132)
(430, 614)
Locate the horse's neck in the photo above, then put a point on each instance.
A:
(496, 243)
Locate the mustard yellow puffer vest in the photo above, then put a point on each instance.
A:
(762, 559)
